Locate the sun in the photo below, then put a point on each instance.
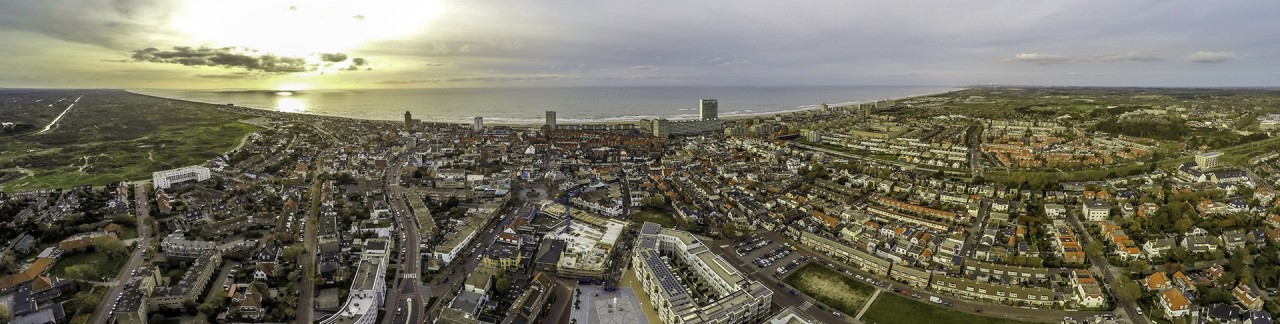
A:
(300, 28)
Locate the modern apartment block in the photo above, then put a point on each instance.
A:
(689, 284)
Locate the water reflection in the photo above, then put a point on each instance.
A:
(291, 105)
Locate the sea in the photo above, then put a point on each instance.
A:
(528, 105)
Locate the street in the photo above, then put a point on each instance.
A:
(135, 260)
(1100, 263)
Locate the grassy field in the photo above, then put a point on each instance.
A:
(113, 135)
(894, 309)
(105, 266)
(665, 219)
(830, 287)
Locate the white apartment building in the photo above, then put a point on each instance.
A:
(166, 178)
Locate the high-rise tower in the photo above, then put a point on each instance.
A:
(709, 109)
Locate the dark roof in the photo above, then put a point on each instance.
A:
(552, 253)
(1225, 312)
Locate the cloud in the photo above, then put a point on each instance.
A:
(248, 59)
(234, 76)
(1130, 56)
(496, 78)
(333, 57)
(1047, 59)
(1041, 59)
(1212, 57)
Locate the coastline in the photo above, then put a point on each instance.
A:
(532, 123)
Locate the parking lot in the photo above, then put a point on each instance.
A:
(766, 256)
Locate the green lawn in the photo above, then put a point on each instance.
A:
(891, 309)
(661, 218)
(830, 287)
(105, 266)
(113, 135)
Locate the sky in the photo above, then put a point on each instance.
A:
(322, 44)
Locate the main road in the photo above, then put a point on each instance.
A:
(408, 292)
(306, 288)
(144, 241)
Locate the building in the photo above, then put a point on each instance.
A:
(132, 308)
(366, 295)
(166, 178)
(709, 109)
(452, 247)
(1175, 303)
(664, 127)
(1246, 297)
(844, 253)
(408, 120)
(502, 256)
(1208, 160)
(251, 306)
(1095, 210)
(1269, 122)
(176, 244)
(1087, 291)
(1009, 294)
(191, 287)
(478, 125)
(551, 120)
(791, 315)
(688, 284)
(533, 302)
(588, 241)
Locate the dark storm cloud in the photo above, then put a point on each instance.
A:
(228, 57)
(234, 57)
(333, 57)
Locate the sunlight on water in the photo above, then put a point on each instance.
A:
(292, 105)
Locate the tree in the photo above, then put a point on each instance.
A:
(113, 249)
(1139, 266)
(1093, 247)
(214, 302)
(1183, 224)
(85, 300)
(4, 314)
(1127, 290)
(81, 272)
(294, 251)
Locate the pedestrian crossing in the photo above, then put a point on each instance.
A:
(410, 275)
(806, 305)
